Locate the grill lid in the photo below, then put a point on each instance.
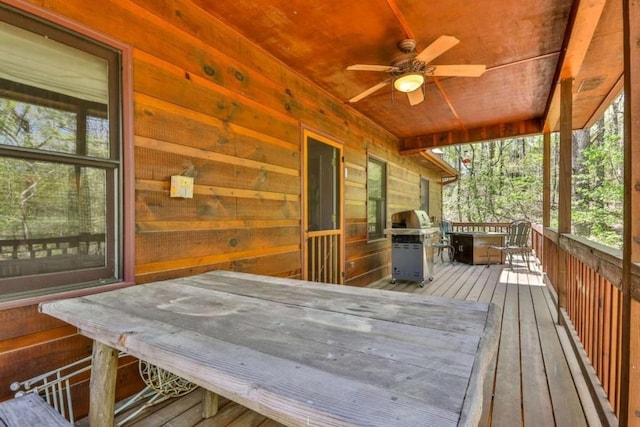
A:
(411, 219)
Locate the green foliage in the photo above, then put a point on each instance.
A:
(502, 180)
(499, 181)
(48, 197)
(598, 202)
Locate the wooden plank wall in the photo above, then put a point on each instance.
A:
(209, 103)
(32, 343)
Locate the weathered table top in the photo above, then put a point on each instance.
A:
(304, 353)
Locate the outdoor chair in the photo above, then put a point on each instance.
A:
(516, 242)
(55, 388)
(444, 243)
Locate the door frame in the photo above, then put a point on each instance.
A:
(325, 139)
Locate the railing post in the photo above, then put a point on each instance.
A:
(564, 189)
(546, 179)
(546, 198)
(630, 383)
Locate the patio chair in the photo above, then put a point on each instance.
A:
(517, 242)
(55, 388)
(444, 243)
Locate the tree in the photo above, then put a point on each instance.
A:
(502, 180)
(497, 180)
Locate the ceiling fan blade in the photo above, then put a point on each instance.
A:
(437, 48)
(370, 91)
(415, 97)
(363, 67)
(457, 70)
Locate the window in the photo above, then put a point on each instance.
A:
(377, 193)
(424, 194)
(60, 159)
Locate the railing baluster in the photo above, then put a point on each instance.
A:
(606, 338)
(324, 255)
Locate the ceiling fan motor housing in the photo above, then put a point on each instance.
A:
(407, 45)
(407, 64)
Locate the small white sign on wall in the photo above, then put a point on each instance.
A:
(182, 186)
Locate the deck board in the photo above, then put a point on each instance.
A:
(566, 403)
(506, 409)
(497, 297)
(227, 413)
(174, 411)
(535, 395)
(529, 381)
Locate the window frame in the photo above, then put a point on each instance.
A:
(381, 203)
(118, 167)
(425, 196)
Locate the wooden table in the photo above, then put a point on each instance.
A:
(300, 353)
(475, 247)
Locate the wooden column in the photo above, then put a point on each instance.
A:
(102, 386)
(546, 179)
(564, 183)
(630, 369)
(546, 200)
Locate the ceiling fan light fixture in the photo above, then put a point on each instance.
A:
(408, 82)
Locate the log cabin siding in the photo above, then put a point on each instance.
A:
(32, 343)
(207, 102)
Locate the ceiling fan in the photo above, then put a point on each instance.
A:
(408, 70)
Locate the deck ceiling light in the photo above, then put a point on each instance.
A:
(408, 82)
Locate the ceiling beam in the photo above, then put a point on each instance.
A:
(416, 144)
(400, 17)
(449, 103)
(524, 61)
(581, 29)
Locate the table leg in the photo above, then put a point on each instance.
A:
(209, 404)
(103, 385)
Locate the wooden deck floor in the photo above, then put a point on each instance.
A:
(530, 383)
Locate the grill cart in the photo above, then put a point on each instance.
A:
(412, 239)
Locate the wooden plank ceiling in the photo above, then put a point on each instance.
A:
(526, 47)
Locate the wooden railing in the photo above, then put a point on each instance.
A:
(546, 250)
(497, 227)
(27, 257)
(593, 307)
(51, 246)
(324, 257)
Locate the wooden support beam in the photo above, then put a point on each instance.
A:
(564, 188)
(546, 179)
(581, 30)
(552, 118)
(415, 144)
(630, 383)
